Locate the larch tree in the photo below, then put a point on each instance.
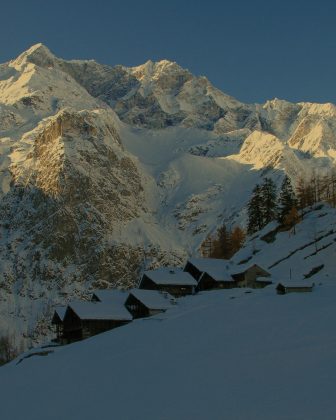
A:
(291, 219)
(207, 246)
(237, 239)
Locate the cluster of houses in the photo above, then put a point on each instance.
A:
(157, 292)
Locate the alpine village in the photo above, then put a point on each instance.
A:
(161, 288)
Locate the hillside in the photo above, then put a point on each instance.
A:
(309, 253)
(236, 353)
(106, 171)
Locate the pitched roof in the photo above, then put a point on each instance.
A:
(246, 267)
(171, 276)
(111, 295)
(100, 311)
(218, 269)
(59, 312)
(153, 299)
(217, 278)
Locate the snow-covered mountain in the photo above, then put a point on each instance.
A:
(106, 170)
(235, 353)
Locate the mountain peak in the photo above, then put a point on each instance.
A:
(37, 54)
(38, 47)
(156, 68)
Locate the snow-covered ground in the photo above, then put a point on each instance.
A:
(217, 355)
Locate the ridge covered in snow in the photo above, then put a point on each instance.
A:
(108, 171)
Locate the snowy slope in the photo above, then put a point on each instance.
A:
(106, 171)
(288, 256)
(217, 355)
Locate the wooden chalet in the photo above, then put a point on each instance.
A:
(197, 266)
(294, 287)
(172, 280)
(143, 303)
(57, 320)
(84, 319)
(252, 276)
(214, 273)
(211, 273)
(212, 280)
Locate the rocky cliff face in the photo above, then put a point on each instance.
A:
(106, 170)
(58, 218)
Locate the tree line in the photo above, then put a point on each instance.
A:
(266, 205)
(224, 244)
(317, 188)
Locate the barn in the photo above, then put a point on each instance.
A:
(169, 279)
(143, 303)
(84, 319)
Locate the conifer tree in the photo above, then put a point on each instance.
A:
(254, 211)
(221, 245)
(269, 201)
(287, 199)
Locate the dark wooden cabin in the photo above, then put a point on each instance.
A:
(171, 280)
(57, 320)
(143, 303)
(193, 270)
(85, 319)
(211, 273)
(208, 282)
(215, 267)
(294, 287)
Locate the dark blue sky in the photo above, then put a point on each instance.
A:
(253, 50)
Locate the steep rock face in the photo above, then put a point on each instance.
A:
(70, 188)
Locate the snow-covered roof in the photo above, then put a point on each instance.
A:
(100, 311)
(218, 269)
(297, 283)
(217, 277)
(171, 276)
(111, 295)
(248, 266)
(153, 299)
(60, 312)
